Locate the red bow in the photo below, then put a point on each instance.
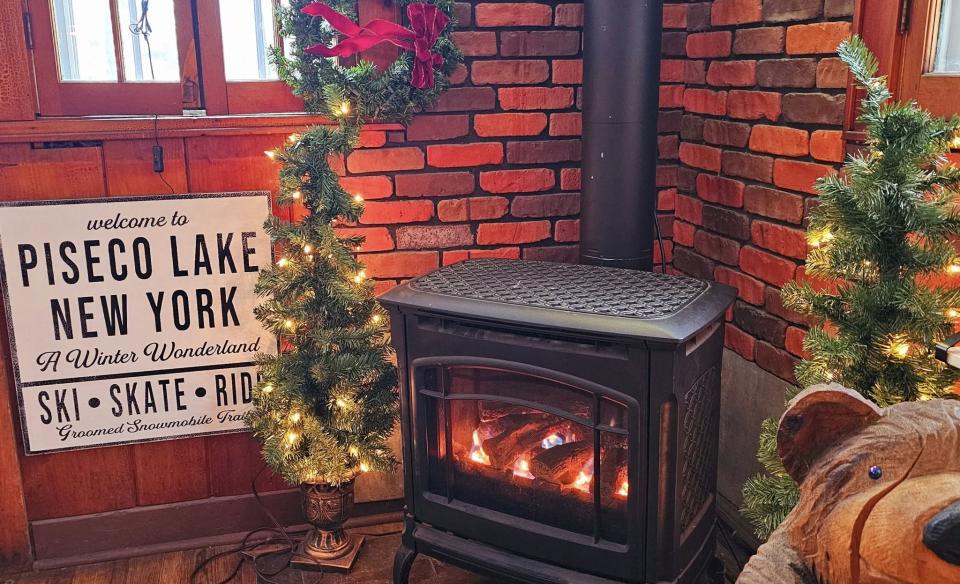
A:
(426, 20)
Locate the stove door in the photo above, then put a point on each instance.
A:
(530, 459)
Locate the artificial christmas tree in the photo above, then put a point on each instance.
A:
(327, 403)
(881, 257)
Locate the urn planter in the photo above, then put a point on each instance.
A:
(327, 547)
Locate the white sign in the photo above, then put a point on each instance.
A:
(131, 319)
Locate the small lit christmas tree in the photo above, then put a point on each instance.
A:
(882, 245)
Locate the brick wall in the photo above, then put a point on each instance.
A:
(760, 100)
(493, 170)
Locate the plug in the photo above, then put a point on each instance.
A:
(157, 158)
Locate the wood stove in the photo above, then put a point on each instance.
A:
(559, 421)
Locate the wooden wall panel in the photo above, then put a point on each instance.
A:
(129, 167)
(17, 98)
(234, 460)
(14, 536)
(59, 173)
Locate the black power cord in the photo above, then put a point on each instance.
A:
(663, 257)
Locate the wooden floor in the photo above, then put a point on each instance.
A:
(373, 567)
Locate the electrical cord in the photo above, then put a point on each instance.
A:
(142, 28)
(158, 148)
(663, 257)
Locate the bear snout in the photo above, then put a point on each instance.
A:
(942, 534)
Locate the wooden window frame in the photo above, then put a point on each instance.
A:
(935, 92)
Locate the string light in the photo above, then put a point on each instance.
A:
(364, 467)
(376, 318)
(295, 417)
(294, 137)
(296, 195)
(360, 277)
(271, 154)
(952, 313)
(345, 108)
(357, 199)
(899, 348)
(292, 437)
(955, 142)
(353, 450)
(818, 239)
(357, 248)
(307, 248)
(953, 267)
(283, 262)
(341, 403)
(289, 324)
(267, 388)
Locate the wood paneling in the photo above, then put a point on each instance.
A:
(233, 461)
(129, 167)
(236, 163)
(59, 173)
(14, 537)
(171, 471)
(17, 99)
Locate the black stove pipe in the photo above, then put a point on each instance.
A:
(621, 88)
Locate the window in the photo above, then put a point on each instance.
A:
(143, 57)
(930, 69)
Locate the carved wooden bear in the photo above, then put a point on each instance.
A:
(879, 493)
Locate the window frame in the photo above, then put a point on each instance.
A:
(935, 92)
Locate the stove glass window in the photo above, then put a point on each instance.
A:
(529, 447)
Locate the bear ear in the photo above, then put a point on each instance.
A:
(816, 420)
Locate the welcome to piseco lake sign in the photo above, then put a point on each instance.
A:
(131, 319)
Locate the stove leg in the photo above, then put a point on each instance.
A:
(401, 564)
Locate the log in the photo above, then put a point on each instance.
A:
(492, 411)
(507, 424)
(506, 448)
(561, 464)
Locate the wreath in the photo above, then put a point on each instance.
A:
(322, 32)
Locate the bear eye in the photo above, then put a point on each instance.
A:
(875, 472)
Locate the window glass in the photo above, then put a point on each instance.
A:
(249, 31)
(148, 36)
(84, 40)
(947, 54)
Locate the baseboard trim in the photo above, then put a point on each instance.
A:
(101, 537)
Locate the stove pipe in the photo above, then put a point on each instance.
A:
(621, 88)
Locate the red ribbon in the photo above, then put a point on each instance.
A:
(426, 22)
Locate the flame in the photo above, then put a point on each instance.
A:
(583, 480)
(521, 468)
(551, 441)
(624, 489)
(476, 450)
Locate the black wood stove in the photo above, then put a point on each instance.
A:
(559, 421)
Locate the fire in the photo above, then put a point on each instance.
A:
(551, 441)
(624, 489)
(583, 480)
(521, 468)
(476, 450)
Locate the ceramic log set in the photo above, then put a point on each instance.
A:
(879, 493)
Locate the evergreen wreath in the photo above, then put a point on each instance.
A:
(361, 91)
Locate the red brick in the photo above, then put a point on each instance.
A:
(464, 155)
(507, 72)
(773, 203)
(671, 96)
(528, 180)
(426, 127)
(568, 71)
(570, 179)
(375, 238)
(539, 43)
(787, 10)
(519, 232)
(567, 254)
(452, 257)
(466, 99)
(400, 264)
(798, 176)
(715, 247)
(569, 15)
(566, 124)
(753, 105)
(434, 184)
(748, 289)
(543, 151)
(708, 45)
(384, 159)
(535, 98)
(705, 101)
(492, 125)
(672, 70)
(785, 241)
(794, 341)
(700, 156)
(779, 140)
(675, 16)
(814, 108)
(717, 189)
(776, 361)
(726, 133)
(695, 72)
(727, 12)
(667, 251)
(476, 44)
(683, 233)
(744, 165)
(472, 209)
(566, 230)
(739, 342)
(380, 213)
(819, 37)
(827, 145)
(667, 200)
(513, 14)
(732, 73)
(831, 74)
(766, 266)
(759, 41)
(372, 139)
(546, 205)
(433, 236)
(689, 209)
(463, 12)
(459, 75)
(368, 187)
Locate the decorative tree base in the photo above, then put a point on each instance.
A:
(309, 557)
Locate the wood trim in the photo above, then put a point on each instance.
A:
(17, 95)
(126, 128)
(177, 526)
(250, 97)
(933, 91)
(14, 535)
(877, 22)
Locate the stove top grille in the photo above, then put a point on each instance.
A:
(572, 287)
